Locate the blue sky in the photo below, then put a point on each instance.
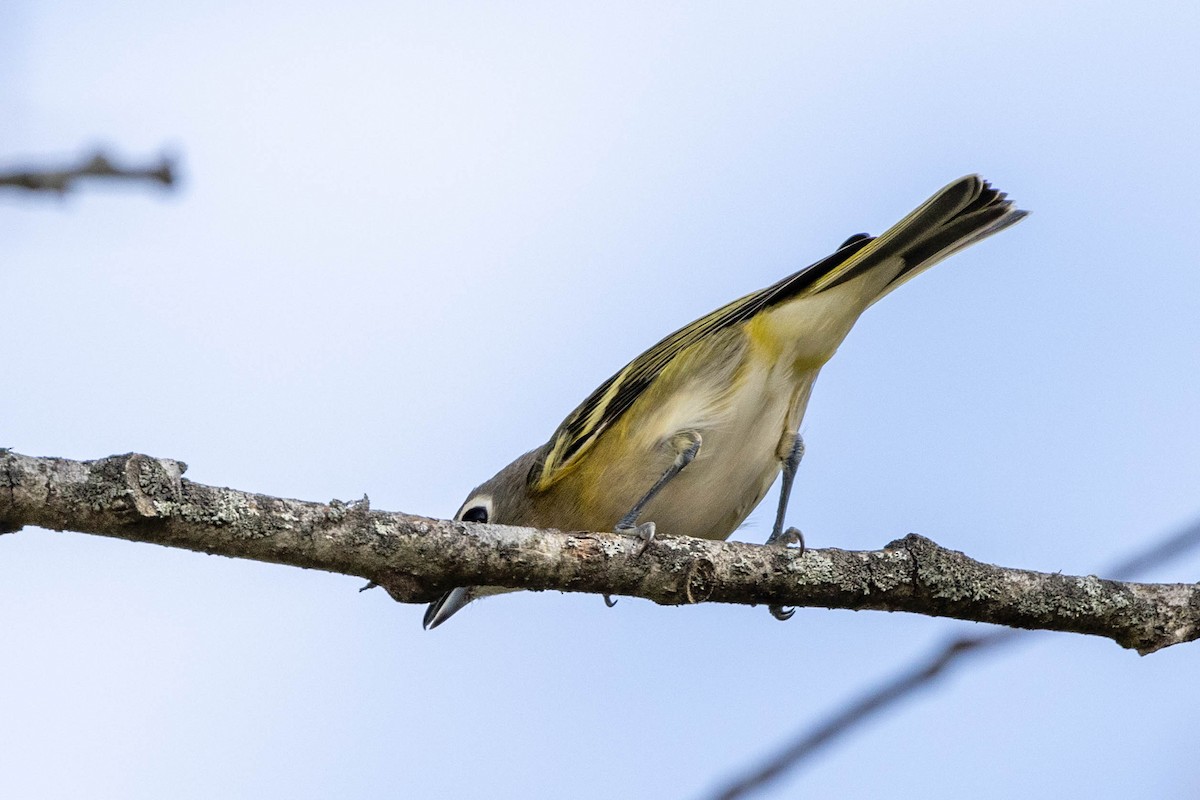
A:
(411, 238)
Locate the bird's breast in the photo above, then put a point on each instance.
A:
(738, 459)
(740, 416)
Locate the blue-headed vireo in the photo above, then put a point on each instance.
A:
(691, 434)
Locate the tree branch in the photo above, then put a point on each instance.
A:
(98, 165)
(145, 499)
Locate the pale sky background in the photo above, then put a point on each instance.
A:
(411, 238)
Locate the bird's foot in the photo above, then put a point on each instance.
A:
(790, 537)
(644, 531)
(781, 613)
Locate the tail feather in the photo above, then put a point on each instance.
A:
(959, 215)
(991, 212)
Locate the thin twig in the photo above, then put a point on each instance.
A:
(924, 672)
(99, 165)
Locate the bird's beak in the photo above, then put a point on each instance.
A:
(445, 607)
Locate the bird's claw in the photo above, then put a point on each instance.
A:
(780, 613)
(792, 536)
(644, 531)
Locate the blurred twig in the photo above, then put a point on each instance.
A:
(98, 165)
(925, 671)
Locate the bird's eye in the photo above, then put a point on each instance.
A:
(476, 514)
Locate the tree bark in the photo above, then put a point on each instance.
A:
(145, 499)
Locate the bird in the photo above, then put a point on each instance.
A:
(689, 436)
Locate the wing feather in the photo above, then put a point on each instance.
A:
(962, 213)
(617, 394)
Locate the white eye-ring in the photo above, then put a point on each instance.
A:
(477, 509)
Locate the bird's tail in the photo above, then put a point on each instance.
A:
(959, 215)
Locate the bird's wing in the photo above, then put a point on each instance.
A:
(617, 394)
(962, 213)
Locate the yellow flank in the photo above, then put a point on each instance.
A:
(764, 338)
(805, 332)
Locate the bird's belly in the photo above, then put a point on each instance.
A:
(738, 460)
(729, 477)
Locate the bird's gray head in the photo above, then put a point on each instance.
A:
(503, 499)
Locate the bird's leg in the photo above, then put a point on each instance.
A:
(685, 456)
(792, 535)
(689, 446)
(790, 463)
